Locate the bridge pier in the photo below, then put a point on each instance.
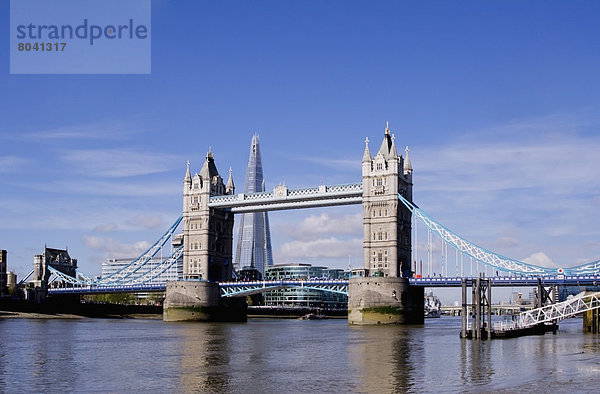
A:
(384, 300)
(194, 300)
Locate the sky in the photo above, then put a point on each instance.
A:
(498, 102)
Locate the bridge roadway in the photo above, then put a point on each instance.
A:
(232, 289)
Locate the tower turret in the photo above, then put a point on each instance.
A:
(230, 188)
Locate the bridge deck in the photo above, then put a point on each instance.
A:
(334, 285)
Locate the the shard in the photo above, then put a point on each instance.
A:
(254, 236)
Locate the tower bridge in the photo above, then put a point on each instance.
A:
(207, 291)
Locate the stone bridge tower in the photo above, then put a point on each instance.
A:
(384, 294)
(207, 232)
(207, 252)
(387, 222)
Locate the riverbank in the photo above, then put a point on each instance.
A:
(10, 309)
(30, 315)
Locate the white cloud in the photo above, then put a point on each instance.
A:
(540, 259)
(478, 168)
(99, 131)
(346, 165)
(321, 248)
(150, 188)
(325, 223)
(118, 162)
(112, 248)
(105, 228)
(9, 164)
(147, 222)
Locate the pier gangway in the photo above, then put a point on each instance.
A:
(552, 313)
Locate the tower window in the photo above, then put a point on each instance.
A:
(380, 166)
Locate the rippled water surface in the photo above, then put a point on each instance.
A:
(287, 356)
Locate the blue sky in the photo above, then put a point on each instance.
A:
(497, 100)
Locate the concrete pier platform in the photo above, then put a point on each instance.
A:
(201, 301)
(384, 300)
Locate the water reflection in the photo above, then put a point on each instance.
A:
(387, 358)
(273, 356)
(205, 357)
(476, 362)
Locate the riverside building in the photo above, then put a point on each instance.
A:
(175, 272)
(304, 297)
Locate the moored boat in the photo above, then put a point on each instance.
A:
(432, 306)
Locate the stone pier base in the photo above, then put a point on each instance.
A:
(201, 301)
(384, 300)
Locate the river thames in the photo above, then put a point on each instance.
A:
(286, 356)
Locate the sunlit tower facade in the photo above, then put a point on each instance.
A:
(254, 236)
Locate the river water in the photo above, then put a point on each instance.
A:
(286, 356)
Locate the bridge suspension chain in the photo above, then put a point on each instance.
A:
(135, 265)
(478, 253)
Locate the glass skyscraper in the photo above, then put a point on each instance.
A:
(254, 236)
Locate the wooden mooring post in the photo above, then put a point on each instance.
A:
(481, 309)
(464, 312)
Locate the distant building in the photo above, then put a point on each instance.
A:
(254, 236)
(301, 297)
(3, 278)
(58, 259)
(516, 298)
(175, 272)
(11, 282)
(247, 274)
(359, 272)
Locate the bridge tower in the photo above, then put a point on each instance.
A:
(386, 222)
(207, 233)
(383, 295)
(207, 252)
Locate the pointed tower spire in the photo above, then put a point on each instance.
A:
(230, 188)
(386, 145)
(209, 169)
(367, 155)
(407, 165)
(188, 176)
(393, 151)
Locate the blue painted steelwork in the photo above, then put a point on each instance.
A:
(520, 273)
(119, 276)
(516, 281)
(24, 279)
(487, 257)
(145, 288)
(242, 289)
